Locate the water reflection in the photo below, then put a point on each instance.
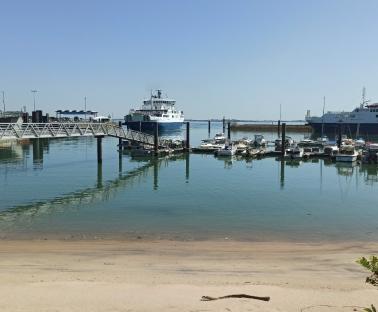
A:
(102, 191)
(285, 176)
(345, 169)
(13, 154)
(369, 173)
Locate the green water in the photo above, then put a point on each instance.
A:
(56, 189)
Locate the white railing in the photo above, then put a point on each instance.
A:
(65, 130)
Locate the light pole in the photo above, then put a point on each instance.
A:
(34, 92)
(3, 102)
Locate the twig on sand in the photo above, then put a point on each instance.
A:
(208, 298)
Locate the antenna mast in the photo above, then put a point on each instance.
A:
(323, 116)
(364, 101)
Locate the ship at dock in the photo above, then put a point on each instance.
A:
(362, 121)
(156, 111)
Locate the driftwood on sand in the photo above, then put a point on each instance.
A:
(208, 298)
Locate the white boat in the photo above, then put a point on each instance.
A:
(323, 139)
(295, 152)
(347, 153)
(330, 150)
(219, 137)
(157, 110)
(259, 140)
(246, 141)
(307, 142)
(288, 142)
(360, 142)
(228, 150)
(362, 119)
(209, 147)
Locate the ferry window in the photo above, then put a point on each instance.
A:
(376, 116)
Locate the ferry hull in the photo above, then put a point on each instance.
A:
(350, 129)
(149, 126)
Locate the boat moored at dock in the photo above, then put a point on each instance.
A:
(156, 110)
(363, 120)
(347, 153)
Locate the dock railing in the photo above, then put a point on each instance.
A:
(80, 129)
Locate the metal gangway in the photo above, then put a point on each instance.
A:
(18, 131)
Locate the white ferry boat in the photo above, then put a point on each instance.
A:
(362, 120)
(155, 110)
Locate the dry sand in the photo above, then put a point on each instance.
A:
(172, 276)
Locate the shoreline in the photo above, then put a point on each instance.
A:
(168, 275)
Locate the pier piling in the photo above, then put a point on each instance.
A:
(120, 145)
(156, 138)
(279, 128)
(224, 124)
(99, 149)
(209, 127)
(283, 144)
(229, 130)
(187, 145)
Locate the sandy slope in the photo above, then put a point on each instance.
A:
(172, 276)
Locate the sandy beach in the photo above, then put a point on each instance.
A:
(50, 275)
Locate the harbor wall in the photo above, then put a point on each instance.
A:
(269, 127)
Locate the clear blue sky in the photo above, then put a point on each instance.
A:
(236, 58)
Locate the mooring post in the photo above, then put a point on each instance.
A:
(224, 125)
(120, 139)
(187, 145)
(156, 138)
(209, 126)
(99, 149)
(283, 142)
(229, 130)
(279, 128)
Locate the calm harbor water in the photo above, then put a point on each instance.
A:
(56, 189)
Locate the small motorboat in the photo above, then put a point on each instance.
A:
(359, 143)
(295, 152)
(288, 142)
(219, 138)
(330, 150)
(347, 153)
(259, 140)
(208, 146)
